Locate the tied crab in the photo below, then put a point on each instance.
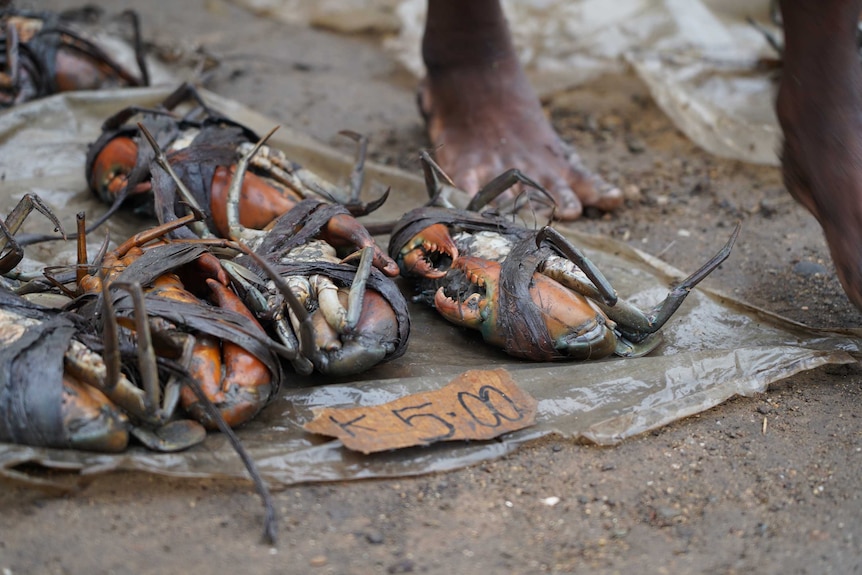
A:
(341, 318)
(43, 53)
(198, 154)
(532, 293)
(136, 339)
(146, 339)
(343, 314)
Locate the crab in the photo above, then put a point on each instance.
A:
(131, 343)
(355, 314)
(532, 293)
(42, 53)
(202, 149)
(60, 389)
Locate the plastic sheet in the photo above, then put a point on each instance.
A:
(714, 348)
(348, 16)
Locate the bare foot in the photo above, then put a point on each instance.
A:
(483, 117)
(820, 112)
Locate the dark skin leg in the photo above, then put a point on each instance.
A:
(819, 107)
(483, 117)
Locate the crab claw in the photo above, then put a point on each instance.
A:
(343, 230)
(372, 339)
(576, 328)
(422, 255)
(111, 167)
(90, 420)
(237, 383)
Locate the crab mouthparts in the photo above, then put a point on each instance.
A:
(464, 296)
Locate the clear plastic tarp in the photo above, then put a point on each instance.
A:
(714, 348)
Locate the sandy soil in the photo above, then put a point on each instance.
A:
(710, 494)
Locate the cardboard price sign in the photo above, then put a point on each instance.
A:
(478, 404)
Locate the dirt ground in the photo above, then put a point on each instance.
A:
(709, 494)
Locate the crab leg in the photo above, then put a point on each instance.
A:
(306, 328)
(152, 408)
(633, 323)
(357, 175)
(111, 339)
(438, 191)
(139, 46)
(93, 283)
(664, 310)
(16, 252)
(146, 353)
(605, 290)
(357, 289)
(343, 320)
(328, 314)
(13, 223)
(500, 184)
(236, 230)
(251, 287)
(81, 269)
(161, 434)
(198, 227)
(288, 173)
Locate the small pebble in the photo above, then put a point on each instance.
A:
(317, 561)
(612, 122)
(635, 145)
(632, 192)
(768, 208)
(667, 513)
(591, 124)
(809, 269)
(403, 566)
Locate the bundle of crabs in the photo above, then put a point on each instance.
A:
(255, 260)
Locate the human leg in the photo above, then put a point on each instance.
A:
(483, 116)
(819, 107)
